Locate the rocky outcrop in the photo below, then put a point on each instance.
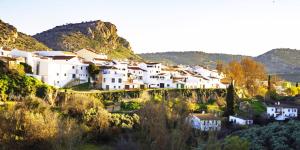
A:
(11, 38)
(98, 35)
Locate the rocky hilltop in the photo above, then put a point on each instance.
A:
(98, 35)
(11, 38)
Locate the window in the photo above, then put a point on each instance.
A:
(120, 80)
(113, 80)
(119, 87)
(73, 67)
(104, 79)
(2, 53)
(57, 74)
(73, 76)
(80, 68)
(65, 74)
(114, 87)
(57, 81)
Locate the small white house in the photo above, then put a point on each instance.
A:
(4, 52)
(112, 78)
(205, 122)
(239, 120)
(60, 71)
(282, 111)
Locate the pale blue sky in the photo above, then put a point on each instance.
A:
(248, 27)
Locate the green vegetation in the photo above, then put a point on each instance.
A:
(82, 87)
(273, 136)
(11, 38)
(16, 83)
(230, 100)
(258, 107)
(234, 142)
(27, 68)
(132, 105)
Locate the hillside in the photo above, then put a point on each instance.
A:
(190, 58)
(11, 38)
(98, 35)
(281, 60)
(284, 62)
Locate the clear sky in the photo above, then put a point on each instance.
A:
(249, 27)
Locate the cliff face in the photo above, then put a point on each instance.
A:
(11, 38)
(98, 35)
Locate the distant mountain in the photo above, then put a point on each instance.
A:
(11, 38)
(281, 61)
(284, 62)
(190, 58)
(98, 35)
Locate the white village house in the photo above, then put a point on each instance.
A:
(282, 111)
(205, 122)
(239, 120)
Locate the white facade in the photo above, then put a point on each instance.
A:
(4, 52)
(60, 72)
(281, 112)
(112, 78)
(205, 124)
(240, 120)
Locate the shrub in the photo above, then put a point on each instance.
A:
(26, 125)
(124, 120)
(234, 142)
(27, 68)
(89, 111)
(130, 105)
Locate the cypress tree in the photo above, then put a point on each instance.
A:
(230, 100)
(297, 84)
(269, 83)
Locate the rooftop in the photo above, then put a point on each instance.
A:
(207, 116)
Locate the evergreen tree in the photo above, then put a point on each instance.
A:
(230, 100)
(297, 84)
(269, 83)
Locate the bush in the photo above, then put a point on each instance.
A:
(124, 120)
(130, 105)
(89, 111)
(234, 142)
(28, 125)
(43, 91)
(27, 68)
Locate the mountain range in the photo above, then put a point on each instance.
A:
(284, 62)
